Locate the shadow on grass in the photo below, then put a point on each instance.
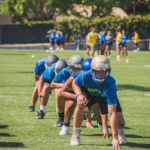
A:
(11, 144)
(3, 126)
(134, 145)
(135, 136)
(6, 135)
(132, 87)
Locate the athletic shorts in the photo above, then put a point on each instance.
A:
(52, 43)
(92, 100)
(109, 44)
(78, 42)
(88, 46)
(47, 82)
(36, 79)
(58, 42)
(92, 47)
(118, 43)
(103, 45)
(123, 44)
(136, 44)
(101, 101)
(62, 42)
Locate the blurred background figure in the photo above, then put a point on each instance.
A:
(118, 43)
(124, 40)
(92, 39)
(62, 41)
(87, 46)
(108, 41)
(136, 41)
(78, 41)
(57, 40)
(99, 42)
(103, 36)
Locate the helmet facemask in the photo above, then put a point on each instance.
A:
(100, 68)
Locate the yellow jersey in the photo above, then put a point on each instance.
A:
(136, 38)
(92, 37)
(119, 37)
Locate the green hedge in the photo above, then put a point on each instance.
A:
(71, 27)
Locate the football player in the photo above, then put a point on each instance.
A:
(44, 82)
(102, 86)
(40, 67)
(71, 102)
(75, 64)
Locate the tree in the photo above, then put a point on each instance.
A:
(36, 9)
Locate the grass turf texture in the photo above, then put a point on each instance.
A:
(20, 130)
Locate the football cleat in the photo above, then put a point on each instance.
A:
(75, 140)
(64, 130)
(31, 108)
(121, 137)
(59, 123)
(40, 115)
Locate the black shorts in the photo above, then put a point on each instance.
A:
(103, 105)
(136, 44)
(58, 42)
(52, 42)
(123, 44)
(92, 99)
(109, 44)
(101, 101)
(47, 82)
(88, 46)
(36, 79)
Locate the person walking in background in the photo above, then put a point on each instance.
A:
(149, 44)
(99, 42)
(118, 43)
(62, 41)
(108, 40)
(103, 46)
(52, 38)
(87, 46)
(57, 40)
(124, 39)
(78, 41)
(92, 39)
(136, 41)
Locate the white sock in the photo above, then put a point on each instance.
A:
(42, 108)
(76, 130)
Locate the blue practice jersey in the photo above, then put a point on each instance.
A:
(57, 37)
(49, 73)
(40, 66)
(78, 37)
(124, 38)
(109, 39)
(64, 74)
(103, 35)
(100, 40)
(62, 37)
(106, 89)
(52, 36)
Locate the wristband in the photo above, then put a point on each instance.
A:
(78, 95)
(39, 92)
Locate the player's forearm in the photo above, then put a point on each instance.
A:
(114, 125)
(104, 121)
(40, 86)
(68, 95)
(56, 85)
(76, 88)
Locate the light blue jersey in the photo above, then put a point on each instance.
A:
(64, 74)
(40, 66)
(109, 39)
(49, 73)
(106, 89)
(124, 38)
(52, 36)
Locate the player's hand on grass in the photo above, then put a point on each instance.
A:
(116, 144)
(81, 101)
(105, 134)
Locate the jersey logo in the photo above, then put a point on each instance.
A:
(102, 65)
(94, 90)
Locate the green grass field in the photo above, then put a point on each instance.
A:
(20, 130)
